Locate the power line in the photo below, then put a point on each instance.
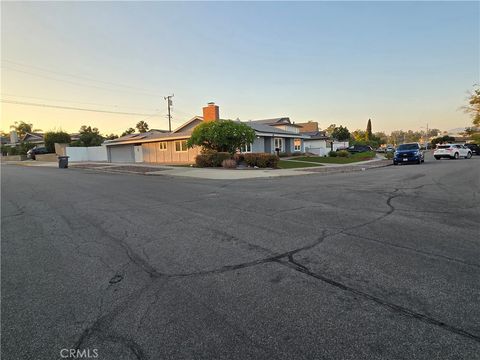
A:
(78, 84)
(74, 75)
(74, 108)
(75, 102)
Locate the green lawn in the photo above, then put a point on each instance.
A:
(338, 160)
(293, 164)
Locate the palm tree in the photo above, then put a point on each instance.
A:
(142, 126)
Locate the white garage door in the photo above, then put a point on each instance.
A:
(121, 153)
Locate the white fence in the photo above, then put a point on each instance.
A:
(93, 153)
(339, 145)
(320, 151)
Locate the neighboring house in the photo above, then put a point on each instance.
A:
(4, 140)
(282, 123)
(164, 148)
(273, 134)
(155, 146)
(318, 143)
(338, 145)
(34, 138)
(310, 126)
(74, 137)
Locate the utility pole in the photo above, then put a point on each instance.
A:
(426, 144)
(169, 104)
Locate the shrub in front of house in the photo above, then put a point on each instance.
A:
(59, 137)
(12, 150)
(332, 153)
(17, 150)
(229, 164)
(211, 159)
(343, 153)
(239, 158)
(389, 155)
(261, 160)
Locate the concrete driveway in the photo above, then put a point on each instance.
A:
(381, 264)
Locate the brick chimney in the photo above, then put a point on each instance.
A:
(211, 112)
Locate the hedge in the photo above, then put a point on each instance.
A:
(261, 160)
(211, 159)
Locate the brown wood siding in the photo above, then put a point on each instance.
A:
(153, 154)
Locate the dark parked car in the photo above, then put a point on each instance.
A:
(359, 148)
(406, 153)
(31, 154)
(475, 148)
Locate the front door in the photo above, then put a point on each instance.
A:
(278, 144)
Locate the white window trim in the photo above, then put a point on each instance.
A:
(300, 146)
(245, 149)
(160, 147)
(180, 141)
(282, 148)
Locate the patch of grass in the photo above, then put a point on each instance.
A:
(339, 160)
(293, 164)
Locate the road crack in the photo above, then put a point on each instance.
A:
(388, 305)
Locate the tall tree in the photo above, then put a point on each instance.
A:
(381, 137)
(128, 131)
(473, 107)
(142, 126)
(368, 133)
(111, 137)
(222, 135)
(89, 137)
(358, 136)
(22, 128)
(59, 137)
(340, 133)
(329, 130)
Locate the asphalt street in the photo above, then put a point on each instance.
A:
(379, 264)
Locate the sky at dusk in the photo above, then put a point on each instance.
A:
(402, 64)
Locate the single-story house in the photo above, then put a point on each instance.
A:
(164, 148)
(317, 143)
(34, 138)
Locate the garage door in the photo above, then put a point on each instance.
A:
(121, 153)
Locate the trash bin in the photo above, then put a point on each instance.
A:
(63, 162)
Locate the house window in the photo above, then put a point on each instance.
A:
(297, 145)
(278, 143)
(162, 145)
(181, 146)
(246, 149)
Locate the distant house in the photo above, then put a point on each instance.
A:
(169, 148)
(310, 126)
(33, 138)
(318, 143)
(4, 140)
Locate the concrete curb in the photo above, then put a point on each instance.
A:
(218, 174)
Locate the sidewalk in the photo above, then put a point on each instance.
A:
(208, 173)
